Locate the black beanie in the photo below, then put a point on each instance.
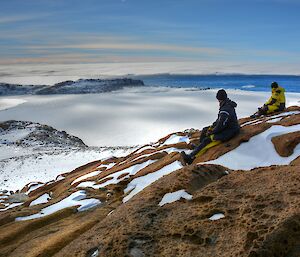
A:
(221, 95)
(274, 84)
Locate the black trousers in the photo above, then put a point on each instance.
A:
(204, 141)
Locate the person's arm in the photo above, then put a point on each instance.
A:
(221, 122)
(274, 98)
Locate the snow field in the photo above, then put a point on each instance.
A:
(15, 173)
(133, 116)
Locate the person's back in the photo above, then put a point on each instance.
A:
(230, 126)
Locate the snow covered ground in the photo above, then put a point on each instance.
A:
(131, 116)
(259, 151)
(16, 172)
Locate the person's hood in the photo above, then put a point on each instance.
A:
(230, 103)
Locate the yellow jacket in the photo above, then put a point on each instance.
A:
(277, 97)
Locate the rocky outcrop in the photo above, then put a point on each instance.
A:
(149, 204)
(30, 134)
(81, 86)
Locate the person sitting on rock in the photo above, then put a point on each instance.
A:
(276, 102)
(223, 129)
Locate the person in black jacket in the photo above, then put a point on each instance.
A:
(223, 129)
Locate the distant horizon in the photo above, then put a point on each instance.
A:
(50, 74)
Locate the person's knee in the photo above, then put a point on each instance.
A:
(207, 140)
(272, 108)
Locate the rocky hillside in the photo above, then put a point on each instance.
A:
(30, 134)
(81, 86)
(240, 198)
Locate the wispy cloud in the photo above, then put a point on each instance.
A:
(22, 18)
(87, 58)
(133, 47)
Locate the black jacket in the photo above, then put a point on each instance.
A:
(227, 125)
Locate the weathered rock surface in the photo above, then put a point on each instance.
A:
(231, 213)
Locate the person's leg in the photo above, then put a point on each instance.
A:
(204, 143)
(272, 108)
(188, 158)
(263, 110)
(203, 133)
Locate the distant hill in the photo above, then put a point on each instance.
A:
(149, 203)
(30, 134)
(81, 86)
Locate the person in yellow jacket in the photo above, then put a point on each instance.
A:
(276, 102)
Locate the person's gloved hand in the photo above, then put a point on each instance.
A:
(209, 132)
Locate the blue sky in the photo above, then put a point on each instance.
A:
(91, 31)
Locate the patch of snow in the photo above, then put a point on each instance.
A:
(75, 199)
(95, 253)
(132, 170)
(259, 151)
(175, 196)
(91, 174)
(107, 166)
(138, 184)
(146, 147)
(142, 156)
(59, 178)
(285, 114)
(11, 206)
(217, 216)
(273, 117)
(33, 186)
(42, 199)
(177, 150)
(175, 139)
(274, 120)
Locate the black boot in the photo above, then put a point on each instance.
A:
(187, 159)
